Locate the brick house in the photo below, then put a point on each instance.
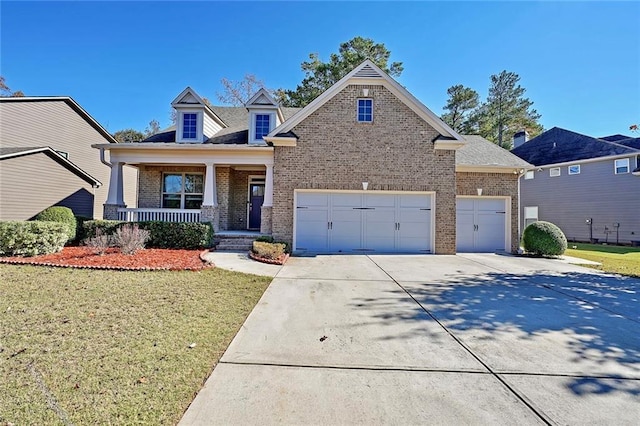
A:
(365, 167)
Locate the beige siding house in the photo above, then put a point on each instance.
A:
(364, 168)
(61, 124)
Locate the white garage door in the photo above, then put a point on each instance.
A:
(361, 222)
(480, 224)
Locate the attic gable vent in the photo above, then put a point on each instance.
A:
(367, 72)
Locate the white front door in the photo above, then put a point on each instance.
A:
(362, 222)
(481, 224)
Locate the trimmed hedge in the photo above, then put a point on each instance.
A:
(544, 239)
(175, 235)
(31, 238)
(61, 215)
(266, 250)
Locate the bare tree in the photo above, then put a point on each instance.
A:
(237, 93)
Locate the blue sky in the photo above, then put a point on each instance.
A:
(124, 62)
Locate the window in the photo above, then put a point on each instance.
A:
(63, 154)
(529, 175)
(530, 215)
(189, 125)
(574, 170)
(554, 172)
(622, 166)
(365, 110)
(262, 126)
(182, 191)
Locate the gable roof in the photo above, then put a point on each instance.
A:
(369, 73)
(189, 97)
(630, 142)
(558, 145)
(481, 153)
(261, 97)
(72, 104)
(11, 152)
(614, 138)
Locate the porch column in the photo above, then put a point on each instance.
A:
(115, 198)
(209, 208)
(267, 204)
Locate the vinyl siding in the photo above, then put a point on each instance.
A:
(597, 193)
(42, 183)
(57, 125)
(210, 127)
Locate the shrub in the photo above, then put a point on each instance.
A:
(130, 238)
(268, 250)
(100, 242)
(544, 239)
(107, 227)
(178, 235)
(80, 220)
(18, 238)
(264, 239)
(61, 215)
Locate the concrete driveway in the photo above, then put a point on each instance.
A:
(467, 339)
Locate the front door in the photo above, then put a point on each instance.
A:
(256, 198)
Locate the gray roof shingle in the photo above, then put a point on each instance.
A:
(558, 145)
(480, 152)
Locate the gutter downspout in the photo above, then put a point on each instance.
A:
(102, 160)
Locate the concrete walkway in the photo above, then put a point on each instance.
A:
(240, 261)
(467, 339)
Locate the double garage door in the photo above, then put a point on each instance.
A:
(363, 222)
(481, 224)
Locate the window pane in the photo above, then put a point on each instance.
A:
(193, 184)
(262, 125)
(365, 110)
(192, 201)
(172, 183)
(189, 127)
(171, 201)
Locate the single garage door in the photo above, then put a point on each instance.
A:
(357, 222)
(480, 224)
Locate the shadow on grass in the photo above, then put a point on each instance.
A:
(583, 322)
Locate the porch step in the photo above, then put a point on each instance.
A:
(234, 242)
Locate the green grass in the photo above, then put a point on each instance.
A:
(87, 347)
(616, 259)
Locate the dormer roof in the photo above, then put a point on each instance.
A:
(189, 98)
(263, 100)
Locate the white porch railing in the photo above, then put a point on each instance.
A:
(161, 215)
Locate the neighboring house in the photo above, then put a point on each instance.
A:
(49, 176)
(587, 186)
(363, 168)
(36, 135)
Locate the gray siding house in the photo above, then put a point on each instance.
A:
(47, 158)
(587, 186)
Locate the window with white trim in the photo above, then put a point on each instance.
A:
(189, 125)
(530, 215)
(365, 110)
(621, 166)
(554, 171)
(574, 169)
(182, 190)
(529, 175)
(262, 126)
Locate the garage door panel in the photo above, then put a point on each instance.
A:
(353, 222)
(480, 224)
(312, 229)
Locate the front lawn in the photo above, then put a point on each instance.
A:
(616, 259)
(88, 346)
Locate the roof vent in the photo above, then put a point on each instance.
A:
(367, 72)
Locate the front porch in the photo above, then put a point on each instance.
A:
(233, 192)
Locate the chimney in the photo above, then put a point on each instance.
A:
(519, 138)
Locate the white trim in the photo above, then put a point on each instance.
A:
(615, 166)
(507, 215)
(257, 95)
(180, 147)
(384, 80)
(359, 191)
(588, 160)
(201, 105)
(555, 172)
(448, 145)
(252, 124)
(183, 194)
(492, 169)
(180, 126)
(529, 174)
(569, 172)
(358, 110)
(281, 141)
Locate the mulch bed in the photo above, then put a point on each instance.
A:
(146, 260)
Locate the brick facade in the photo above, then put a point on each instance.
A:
(493, 184)
(393, 153)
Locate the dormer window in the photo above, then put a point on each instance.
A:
(189, 126)
(262, 125)
(365, 110)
